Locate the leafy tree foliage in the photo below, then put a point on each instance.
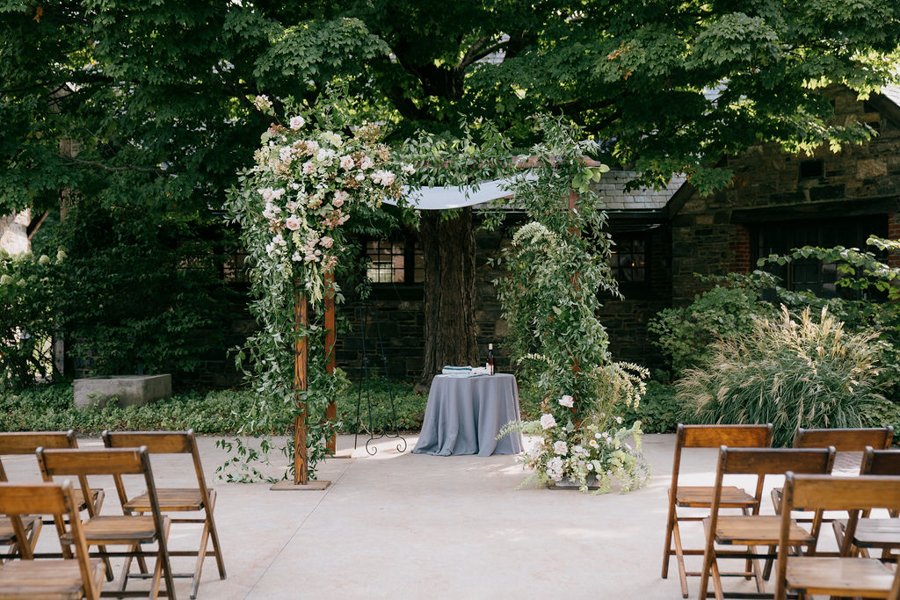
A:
(146, 107)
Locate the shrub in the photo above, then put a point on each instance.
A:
(26, 318)
(52, 408)
(685, 334)
(791, 372)
(659, 410)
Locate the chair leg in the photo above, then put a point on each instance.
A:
(154, 583)
(704, 575)
(164, 558)
(679, 558)
(667, 548)
(126, 568)
(717, 579)
(214, 533)
(201, 556)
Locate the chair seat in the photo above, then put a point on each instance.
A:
(702, 497)
(755, 530)
(170, 499)
(6, 529)
(877, 533)
(117, 530)
(839, 576)
(46, 578)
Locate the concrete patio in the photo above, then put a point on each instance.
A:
(412, 526)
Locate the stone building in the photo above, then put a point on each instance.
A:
(776, 202)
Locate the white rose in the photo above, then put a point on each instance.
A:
(292, 223)
(276, 194)
(340, 197)
(366, 163)
(567, 401)
(297, 122)
(326, 242)
(560, 448)
(347, 163)
(285, 154)
(547, 421)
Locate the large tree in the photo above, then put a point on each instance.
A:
(158, 95)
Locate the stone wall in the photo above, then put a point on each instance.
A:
(708, 239)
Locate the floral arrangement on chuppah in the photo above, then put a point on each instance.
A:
(311, 175)
(556, 269)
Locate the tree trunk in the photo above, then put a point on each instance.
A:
(449, 248)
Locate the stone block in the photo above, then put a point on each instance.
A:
(130, 390)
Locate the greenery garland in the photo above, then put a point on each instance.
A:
(309, 178)
(555, 270)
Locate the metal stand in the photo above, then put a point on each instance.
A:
(392, 430)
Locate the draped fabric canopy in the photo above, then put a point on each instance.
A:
(447, 197)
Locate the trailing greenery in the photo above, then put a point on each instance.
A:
(312, 174)
(555, 267)
(792, 372)
(223, 412)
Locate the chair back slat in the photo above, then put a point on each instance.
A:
(775, 461)
(156, 442)
(27, 442)
(881, 462)
(129, 461)
(822, 492)
(844, 440)
(735, 436)
(50, 499)
(31, 499)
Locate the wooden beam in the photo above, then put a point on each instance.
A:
(330, 358)
(301, 381)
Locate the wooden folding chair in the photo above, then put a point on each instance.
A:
(76, 578)
(198, 499)
(26, 443)
(873, 533)
(841, 576)
(754, 530)
(846, 442)
(133, 531)
(705, 436)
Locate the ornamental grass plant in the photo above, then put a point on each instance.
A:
(792, 371)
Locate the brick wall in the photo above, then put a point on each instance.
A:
(894, 234)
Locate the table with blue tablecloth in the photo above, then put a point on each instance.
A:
(465, 414)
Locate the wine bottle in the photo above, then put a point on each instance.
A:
(490, 359)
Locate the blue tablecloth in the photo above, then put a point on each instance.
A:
(465, 414)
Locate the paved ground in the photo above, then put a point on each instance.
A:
(409, 526)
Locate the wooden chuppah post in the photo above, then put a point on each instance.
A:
(330, 358)
(301, 381)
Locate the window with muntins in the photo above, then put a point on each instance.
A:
(628, 258)
(393, 261)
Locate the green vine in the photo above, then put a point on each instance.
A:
(555, 270)
(311, 175)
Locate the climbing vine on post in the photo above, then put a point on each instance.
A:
(556, 269)
(310, 176)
